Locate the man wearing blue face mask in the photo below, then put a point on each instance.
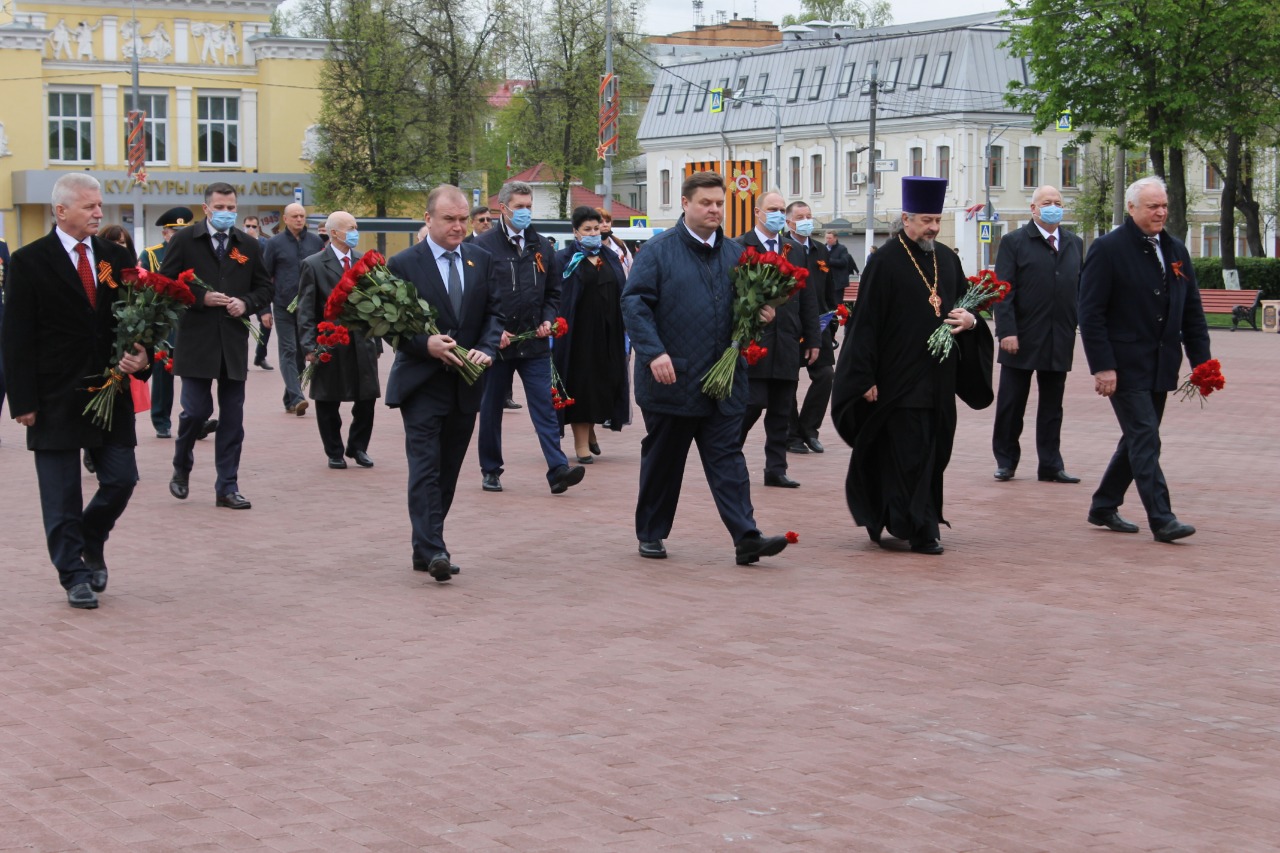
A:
(802, 429)
(215, 338)
(350, 375)
(1036, 327)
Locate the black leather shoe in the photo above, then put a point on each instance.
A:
(654, 550)
(262, 362)
(88, 463)
(814, 445)
(235, 500)
(178, 484)
(1003, 474)
(1172, 531)
(594, 448)
(97, 573)
(752, 548)
(511, 404)
(797, 446)
(362, 459)
(163, 433)
(585, 460)
(337, 462)
(82, 596)
(564, 477)
(491, 483)
(1112, 521)
(926, 546)
(1056, 477)
(441, 568)
(782, 481)
(209, 428)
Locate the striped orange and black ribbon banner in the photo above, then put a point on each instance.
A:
(746, 180)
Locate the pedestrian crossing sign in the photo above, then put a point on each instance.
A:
(1064, 121)
(717, 100)
(984, 232)
(639, 222)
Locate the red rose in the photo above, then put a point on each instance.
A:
(373, 258)
(325, 357)
(129, 275)
(792, 537)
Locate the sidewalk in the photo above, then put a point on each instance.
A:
(280, 680)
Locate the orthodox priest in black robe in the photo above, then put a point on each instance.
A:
(893, 401)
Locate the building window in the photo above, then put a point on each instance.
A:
(940, 73)
(1070, 167)
(794, 173)
(663, 102)
(916, 158)
(1031, 166)
(741, 92)
(762, 89)
(700, 97)
(157, 110)
(944, 162)
(797, 83)
(1212, 181)
(684, 98)
(664, 187)
(818, 76)
(917, 73)
(873, 68)
(846, 78)
(851, 169)
(1211, 242)
(218, 130)
(891, 77)
(995, 166)
(815, 174)
(631, 201)
(70, 127)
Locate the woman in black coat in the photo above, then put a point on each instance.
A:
(592, 357)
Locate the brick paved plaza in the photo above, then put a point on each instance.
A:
(280, 680)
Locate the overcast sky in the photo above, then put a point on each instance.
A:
(668, 16)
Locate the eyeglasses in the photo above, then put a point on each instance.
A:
(483, 220)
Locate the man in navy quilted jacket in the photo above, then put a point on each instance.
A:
(678, 309)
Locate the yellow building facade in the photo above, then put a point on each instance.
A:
(225, 101)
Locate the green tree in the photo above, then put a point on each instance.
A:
(862, 15)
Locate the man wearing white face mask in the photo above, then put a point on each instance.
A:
(802, 430)
(350, 374)
(1036, 327)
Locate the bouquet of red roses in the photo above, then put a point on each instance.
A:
(373, 301)
(984, 291)
(759, 279)
(189, 278)
(559, 327)
(840, 314)
(149, 310)
(328, 336)
(1202, 382)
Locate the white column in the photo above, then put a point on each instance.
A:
(249, 128)
(182, 121)
(181, 40)
(111, 127)
(109, 38)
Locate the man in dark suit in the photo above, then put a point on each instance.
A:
(214, 338)
(351, 374)
(58, 330)
(436, 404)
(1139, 309)
(677, 305)
(802, 430)
(772, 381)
(1036, 327)
(253, 227)
(282, 258)
(841, 263)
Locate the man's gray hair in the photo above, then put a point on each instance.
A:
(69, 187)
(511, 188)
(1135, 189)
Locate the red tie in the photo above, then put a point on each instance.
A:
(346, 263)
(86, 275)
(1053, 243)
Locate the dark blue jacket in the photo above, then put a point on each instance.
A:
(679, 301)
(283, 257)
(527, 284)
(1136, 319)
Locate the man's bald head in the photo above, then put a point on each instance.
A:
(295, 218)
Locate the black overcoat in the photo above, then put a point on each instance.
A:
(794, 320)
(352, 372)
(1040, 310)
(570, 290)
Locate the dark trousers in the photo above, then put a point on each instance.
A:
(260, 352)
(535, 373)
(162, 389)
(197, 406)
(329, 421)
(807, 417)
(71, 528)
(435, 442)
(1011, 405)
(663, 453)
(292, 358)
(775, 398)
(1137, 458)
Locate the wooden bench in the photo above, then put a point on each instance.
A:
(1242, 305)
